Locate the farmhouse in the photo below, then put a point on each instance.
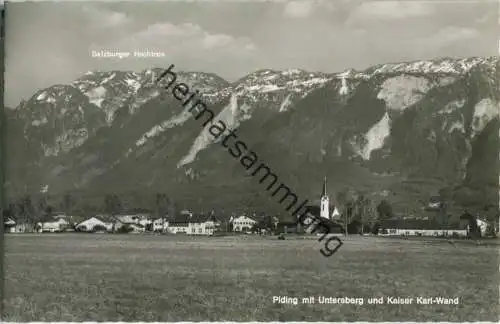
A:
(421, 227)
(188, 223)
(23, 227)
(242, 223)
(137, 228)
(201, 225)
(179, 223)
(9, 225)
(287, 226)
(483, 225)
(160, 224)
(131, 221)
(52, 224)
(93, 223)
(475, 224)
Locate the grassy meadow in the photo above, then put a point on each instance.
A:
(94, 277)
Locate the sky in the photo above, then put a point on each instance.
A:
(50, 43)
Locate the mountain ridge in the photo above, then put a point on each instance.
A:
(351, 121)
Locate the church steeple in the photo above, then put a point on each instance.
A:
(325, 203)
(323, 193)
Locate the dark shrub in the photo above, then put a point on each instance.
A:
(124, 229)
(99, 228)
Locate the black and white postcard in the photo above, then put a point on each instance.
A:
(306, 161)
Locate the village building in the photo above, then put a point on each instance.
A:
(53, 224)
(192, 224)
(421, 227)
(95, 223)
(9, 225)
(132, 221)
(160, 224)
(483, 225)
(242, 223)
(325, 213)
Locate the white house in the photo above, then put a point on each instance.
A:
(188, 223)
(127, 219)
(483, 225)
(22, 228)
(201, 227)
(160, 225)
(423, 232)
(420, 227)
(53, 225)
(242, 223)
(176, 228)
(89, 225)
(9, 225)
(133, 221)
(137, 228)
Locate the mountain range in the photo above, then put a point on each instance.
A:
(403, 132)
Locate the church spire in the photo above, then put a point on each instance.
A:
(323, 194)
(325, 208)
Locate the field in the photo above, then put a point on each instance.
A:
(71, 277)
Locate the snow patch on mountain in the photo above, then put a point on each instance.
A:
(41, 96)
(457, 125)
(484, 111)
(97, 96)
(285, 104)
(402, 91)
(142, 97)
(39, 122)
(376, 136)
(447, 80)
(344, 89)
(66, 141)
(228, 115)
(264, 88)
(452, 106)
(133, 83)
(109, 90)
(263, 85)
(167, 124)
(44, 96)
(109, 78)
(444, 65)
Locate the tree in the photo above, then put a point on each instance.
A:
(255, 228)
(67, 203)
(384, 210)
(41, 205)
(365, 212)
(99, 228)
(163, 206)
(112, 204)
(346, 200)
(27, 209)
(269, 223)
(125, 229)
(474, 230)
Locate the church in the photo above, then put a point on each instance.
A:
(325, 210)
(326, 207)
(329, 213)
